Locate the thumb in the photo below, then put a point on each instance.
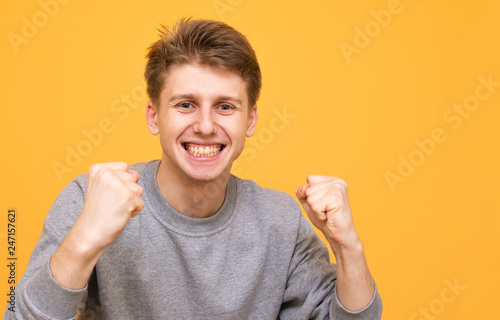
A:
(301, 194)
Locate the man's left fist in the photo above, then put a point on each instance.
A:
(327, 205)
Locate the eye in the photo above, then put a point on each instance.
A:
(185, 105)
(226, 107)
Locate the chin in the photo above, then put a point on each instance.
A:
(204, 175)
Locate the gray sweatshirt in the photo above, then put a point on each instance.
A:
(256, 258)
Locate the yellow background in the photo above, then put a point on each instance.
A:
(355, 119)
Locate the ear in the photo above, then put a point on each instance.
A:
(252, 121)
(152, 118)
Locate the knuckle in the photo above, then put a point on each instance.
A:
(141, 204)
(128, 195)
(310, 178)
(337, 189)
(343, 183)
(106, 176)
(308, 192)
(101, 170)
(337, 196)
(123, 165)
(336, 192)
(316, 207)
(140, 190)
(94, 168)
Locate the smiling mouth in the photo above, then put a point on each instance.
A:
(201, 151)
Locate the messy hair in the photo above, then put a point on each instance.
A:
(205, 42)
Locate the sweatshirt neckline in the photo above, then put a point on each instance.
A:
(170, 218)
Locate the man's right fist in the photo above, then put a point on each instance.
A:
(112, 198)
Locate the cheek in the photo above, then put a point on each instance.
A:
(239, 138)
(237, 132)
(172, 127)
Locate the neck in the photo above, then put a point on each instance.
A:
(192, 198)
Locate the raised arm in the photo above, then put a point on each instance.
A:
(326, 203)
(77, 229)
(112, 198)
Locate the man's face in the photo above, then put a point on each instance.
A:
(203, 119)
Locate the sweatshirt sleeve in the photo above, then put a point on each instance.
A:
(38, 295)
(311, 287)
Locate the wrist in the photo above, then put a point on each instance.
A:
(351, 250)
(74, 260)
(86, 236)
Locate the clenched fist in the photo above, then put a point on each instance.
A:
(112, 198)
(327, 205)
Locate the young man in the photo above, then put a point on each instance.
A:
(182, 238)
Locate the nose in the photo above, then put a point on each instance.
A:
(205, 122)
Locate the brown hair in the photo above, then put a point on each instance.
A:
(206, 42)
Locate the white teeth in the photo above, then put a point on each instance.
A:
(203, 151)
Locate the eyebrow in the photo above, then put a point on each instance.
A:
(229, 98)
(193, 97)
(182, 96)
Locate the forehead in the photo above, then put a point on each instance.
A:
(203, 81)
